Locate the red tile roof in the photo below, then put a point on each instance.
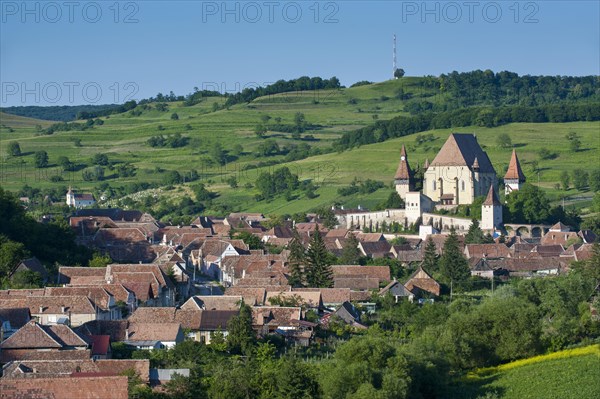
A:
(514, 171)
(68, 388)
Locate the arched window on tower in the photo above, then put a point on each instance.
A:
(462, 185)
(434, 186)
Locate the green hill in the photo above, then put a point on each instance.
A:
(16, 121)
(573, 373)
(327, 113)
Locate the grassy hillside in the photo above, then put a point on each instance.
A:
(573, 373)
(21, 122)
(123, 138)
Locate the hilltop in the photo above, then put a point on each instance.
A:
(218, 138)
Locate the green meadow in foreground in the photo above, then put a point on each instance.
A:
(568, 374)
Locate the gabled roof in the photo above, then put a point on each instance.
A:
(381, 273)
(154, 331)
(30, 336)
(309, 298)
(153, 314)
(36, 336)
(461, 150)
(32, 264)
(375, 249)
(560, 226)
(275, 315)
(63, 368)
(403, 172)
(115, 328)
(67, 273)
(74, 304)
(96, 294)
(212, 320)
(145, 286)
(329, 295)
(492, 197)
(486, 251)
(82, 386)
(213, 302)
(514, 171)
(251, 295)
(421, 280)
(396, 288)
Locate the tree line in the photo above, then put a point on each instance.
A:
(474, 116)
(283, 86)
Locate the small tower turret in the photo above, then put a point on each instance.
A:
(491, 211)
(403, 178)
(514, 178)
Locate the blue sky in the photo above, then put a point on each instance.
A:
(61, 53)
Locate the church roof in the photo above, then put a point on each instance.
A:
(492, 197)
(403, 171)
(514, 168)
(461, 150)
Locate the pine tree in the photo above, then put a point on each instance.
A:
(475, 234)
(318, 263)
(297, 260)
(241, 337)
(453, 264)
(430, 257)
(350, 251)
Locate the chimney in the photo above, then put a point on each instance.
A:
(127, 334)
(63, 308)
(41, 309)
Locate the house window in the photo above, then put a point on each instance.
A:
(462, 185)
(434, 185)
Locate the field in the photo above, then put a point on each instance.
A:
(573, 373)
(123, 138)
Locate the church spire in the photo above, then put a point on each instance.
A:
(514, 171)
(403, 176)
(492, 197)
(403, 172)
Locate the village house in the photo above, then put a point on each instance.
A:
(200, 324)
(79, 200)
(213, 302)
(212, 252)
(360, 278)
(252, 296)
(421, 284)
(35, 341)
(71, 310)
(397, 290)
(153, 335)
(267, 319)
(304, 299)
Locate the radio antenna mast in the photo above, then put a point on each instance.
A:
(394, 58)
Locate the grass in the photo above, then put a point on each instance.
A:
(123, 137)
(572, 373)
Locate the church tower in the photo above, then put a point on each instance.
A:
(403, 178)
(70, 197)
(514, 178)
(491, 211)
